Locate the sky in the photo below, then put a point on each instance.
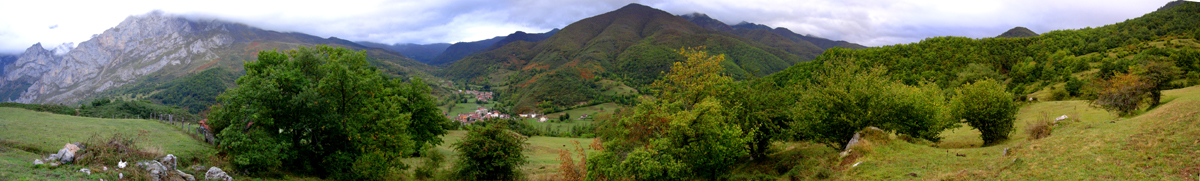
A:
(866, 22)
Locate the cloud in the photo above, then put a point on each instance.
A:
(867, 22)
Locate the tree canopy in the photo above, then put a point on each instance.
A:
(324, 111)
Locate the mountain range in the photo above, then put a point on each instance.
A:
(158, 47)
(628, 47)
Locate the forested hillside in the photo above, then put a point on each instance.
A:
(1032, 63)
(632, 46)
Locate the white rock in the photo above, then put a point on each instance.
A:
(89, 172)
(122, 164)
(1060, 118)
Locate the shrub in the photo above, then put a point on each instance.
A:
(1039, 129)
(490, 153)
(985, 106)
(1122, 93)
(847, 98)
(1059, 94)
(433, 163)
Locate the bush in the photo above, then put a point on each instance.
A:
(1039, 129)
(985, 106)
(1122, 93)
(490, 153)
(1059, 94)
(847, 98)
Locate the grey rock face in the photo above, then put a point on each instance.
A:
(138, 46)
(215, 173)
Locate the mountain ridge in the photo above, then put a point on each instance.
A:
(162, 46)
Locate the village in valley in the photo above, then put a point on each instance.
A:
(482, 110)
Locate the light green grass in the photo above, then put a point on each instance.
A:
(541, 152)
(45, 133)
(1160, 144)
(49, 132)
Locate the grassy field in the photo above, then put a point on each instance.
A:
(29, 135)
(460, 108)
(1160, 144)
(542, 152)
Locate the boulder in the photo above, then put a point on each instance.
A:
(67, 153)
(215, 173)
(185, 176)
(38, 162)
(168, 162)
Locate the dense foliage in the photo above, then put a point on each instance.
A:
(985, 106)
(490, 153)
(323, 111)
(844, 98)
(683, 134)
(195, 93)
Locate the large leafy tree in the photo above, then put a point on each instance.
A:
(1159, 75)
(985, 106)
(325, 111)
(843, 98)
(685, 133)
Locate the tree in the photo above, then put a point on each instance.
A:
(1159, 75)
(1122, 93)
(323, 111)
(985, 106)
(683, 134)
(490, 153)
(844, 98)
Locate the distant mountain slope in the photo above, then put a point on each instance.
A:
(461, 50)
(522, 36)
(423, 53)
(6, 59)
(631, 45)
(1018, 32)
(161, 47)
(745, 28)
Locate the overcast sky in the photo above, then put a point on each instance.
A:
(867, 22)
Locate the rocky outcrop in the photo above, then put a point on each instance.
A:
(159, 45)
(137, 47)
(215, 173)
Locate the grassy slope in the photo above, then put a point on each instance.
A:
(44, 132)
(542, 153)
(1159, 144)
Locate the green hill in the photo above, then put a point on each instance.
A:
(1033, 63)
(27, 135)
(1018, 32)
(632, 45)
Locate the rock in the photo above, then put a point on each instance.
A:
(53, 164)
(67, 153)
(185, 176)
(215, 173)
(1006, 151)
(89, 172)
(122, 164)
(168, 162)
(37, 162)
(54, 157)
(1060, 118)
